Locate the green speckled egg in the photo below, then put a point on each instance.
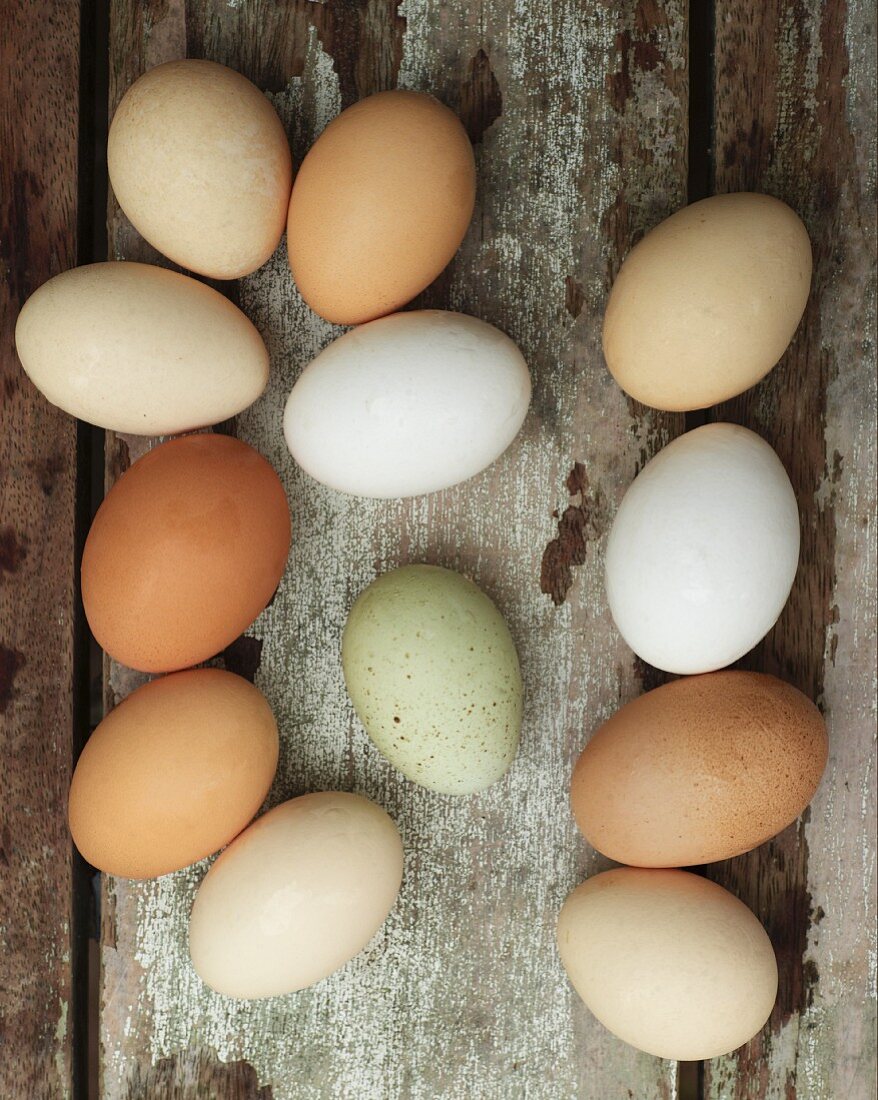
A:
(433, 674)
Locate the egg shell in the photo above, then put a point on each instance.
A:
(408, 404)
(432, 671)
(185, 551)
(668, 961)
(296, 896)
(707, 303)
(201, 166)
(172, 773)
(703, 550)
(139, 349)
(380, 205)
(699, 770)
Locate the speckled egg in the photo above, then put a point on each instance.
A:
(699, 770)
(433, 674)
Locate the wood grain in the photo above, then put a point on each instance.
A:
(39, 95)
(795, 93)
(579, 117)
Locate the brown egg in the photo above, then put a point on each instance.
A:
(185, 551)
(175, 772)
(380, 205)
(698, 770)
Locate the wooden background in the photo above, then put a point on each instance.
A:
(581, 112)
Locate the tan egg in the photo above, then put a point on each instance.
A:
(380, 205)
(173, 773)
(185, 551)
(699, 770)
(668, 961)
(296, 896)
(139, 349)
(200, 164)
(707, 303)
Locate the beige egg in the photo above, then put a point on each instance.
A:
(139, 349)
(668, 961)
(707, 303)
(200, 164)
(296, 895)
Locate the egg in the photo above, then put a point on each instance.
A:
(138, 349)
(703, 550)
(698, 770)
(185, 551)
(707, 303)
(173, 773)
(200, 164)
(408, 404)
(668, 961)
(296, 896)
(433, 674)
(380, 205)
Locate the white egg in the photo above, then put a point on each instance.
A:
(703, 550)
(408, 404)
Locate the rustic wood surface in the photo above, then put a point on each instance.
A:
(39, 79)
(579, 115)
(795, 92)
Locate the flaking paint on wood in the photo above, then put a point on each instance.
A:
(461, 995)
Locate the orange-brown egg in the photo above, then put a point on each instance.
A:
(380, 205)
(175, 772)
(185, 551)
(701, 769)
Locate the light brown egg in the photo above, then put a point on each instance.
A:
(175, 772)
(706, 304)
(380, 205)
(700, 769)
(296, 896)
(185, 551)
(669, 961)
(200, 163)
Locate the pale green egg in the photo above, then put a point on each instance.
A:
(433, 674)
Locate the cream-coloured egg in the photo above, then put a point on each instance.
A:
(408, 404)
(296, 895)
(706, 304)
(668, 961)
(139, 349)
(432, 671)
(200, 163)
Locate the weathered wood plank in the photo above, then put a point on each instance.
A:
(39, 77)
(795, 94)
(579, 114)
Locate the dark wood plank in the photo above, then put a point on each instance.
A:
(39, 97)
(578, 112)
(795, 95)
